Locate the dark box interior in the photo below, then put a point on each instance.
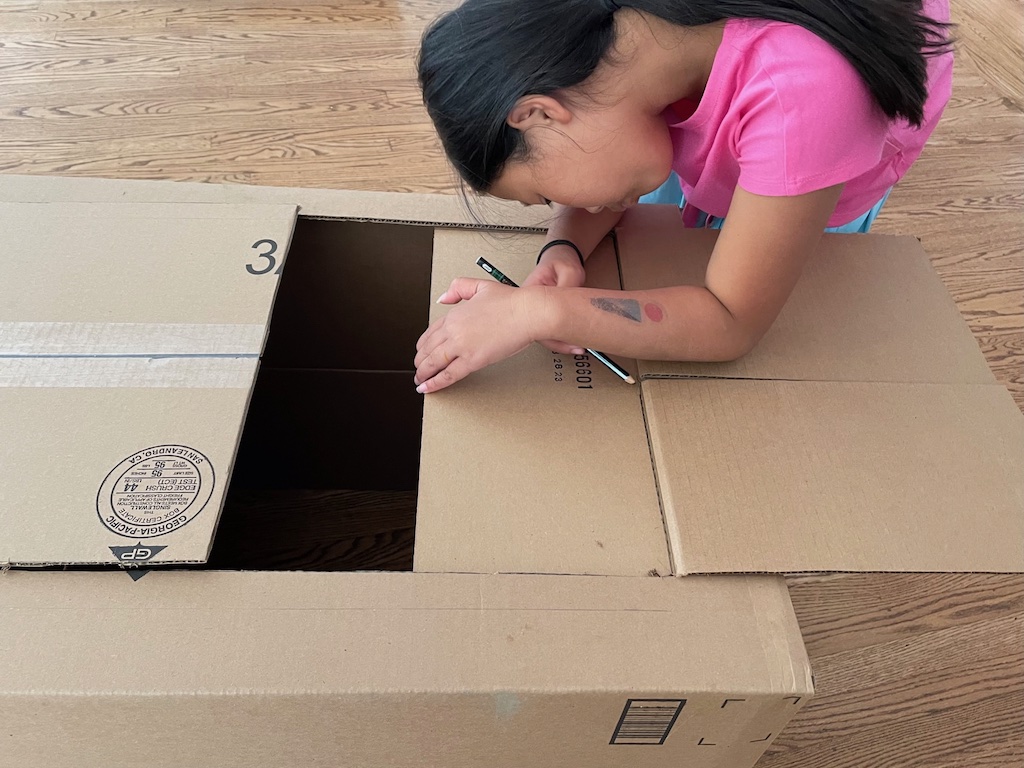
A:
(327, 469)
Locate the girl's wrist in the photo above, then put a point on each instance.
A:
(562, 249)
(542, 309)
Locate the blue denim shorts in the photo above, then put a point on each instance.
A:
(672, 194)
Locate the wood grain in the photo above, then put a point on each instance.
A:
(298, 530)
(912, 670)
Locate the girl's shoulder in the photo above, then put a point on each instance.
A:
(789, 67)
(780, 49)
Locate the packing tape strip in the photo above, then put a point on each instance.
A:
(19, 339)
(134, 372)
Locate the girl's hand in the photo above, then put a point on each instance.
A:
(493, 322)
(559, 267)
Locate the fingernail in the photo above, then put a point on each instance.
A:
(415, 380)
(440, 298)
(578, 350)
(422, 389)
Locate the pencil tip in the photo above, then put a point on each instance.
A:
(630, 380)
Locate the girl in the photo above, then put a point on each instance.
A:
(779, 119)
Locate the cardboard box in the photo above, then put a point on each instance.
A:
(543, 624)
(864, 433)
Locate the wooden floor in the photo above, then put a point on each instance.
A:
(912, 670)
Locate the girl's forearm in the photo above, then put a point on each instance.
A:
(678, 323)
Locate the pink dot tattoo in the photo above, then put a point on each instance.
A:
(654, 313)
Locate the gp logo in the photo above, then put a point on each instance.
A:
(138, 553)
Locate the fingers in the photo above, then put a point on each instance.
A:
(431, 361)
(457, 370)
(424, 340)
(437, 370)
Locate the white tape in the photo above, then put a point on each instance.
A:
(106, 372)
(86, 339)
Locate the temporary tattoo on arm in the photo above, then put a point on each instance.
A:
(654, 312)
(627, 308)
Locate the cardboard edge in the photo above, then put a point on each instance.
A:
(672, 547)
(229, 473)
(405, 208)
(796, 648)
(763, 608)
(277, 290)
(668, 518)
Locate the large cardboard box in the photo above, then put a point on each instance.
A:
(162, 345)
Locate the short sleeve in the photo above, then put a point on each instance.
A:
(808, 120)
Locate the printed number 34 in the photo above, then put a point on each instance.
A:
(268, 255)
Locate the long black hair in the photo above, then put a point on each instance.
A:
(478, 60)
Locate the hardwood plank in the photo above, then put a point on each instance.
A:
(846, 612)
(218, 113)
(991, 36)
(940, 698)
(316, 531)
(51, 15)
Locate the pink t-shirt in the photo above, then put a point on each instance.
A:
(784, 113)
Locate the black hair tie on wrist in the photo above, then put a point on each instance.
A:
(570, 243)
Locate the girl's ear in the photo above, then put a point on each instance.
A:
(532, 111)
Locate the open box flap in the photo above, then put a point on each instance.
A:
(864, 433)
(540, 463)
(130, 334)
(857, 313)
(139, 278)
(109, 460)
(780, 476)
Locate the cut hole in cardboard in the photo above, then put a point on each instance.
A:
(327, 468)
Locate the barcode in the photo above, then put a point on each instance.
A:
(647, 721)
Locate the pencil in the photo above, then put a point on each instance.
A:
(501, 277)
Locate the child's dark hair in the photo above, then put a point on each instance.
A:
(478, 60)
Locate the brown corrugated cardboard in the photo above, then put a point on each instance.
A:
(539, 462)
(87, 472)
(113, 425)
(450, 210)
(183, 277)
(865, 433)
(338, 668)
(403, 670)
(864, 310)
(883, 443)
(784, 476)
(518, 472)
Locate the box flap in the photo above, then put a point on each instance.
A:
(858, 313)
(374, 669)
(781, 476)
(130, 335)
(374, 633)
(108, 460)
(139, 278)
(500, 489)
